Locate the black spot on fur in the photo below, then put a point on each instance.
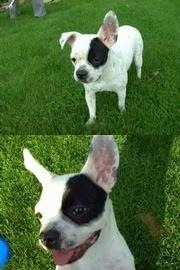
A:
(98, 53)
(83, 200)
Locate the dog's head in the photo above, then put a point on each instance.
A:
(89, 53)
(74, 208)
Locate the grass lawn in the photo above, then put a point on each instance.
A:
(146, 197)
(39, 94)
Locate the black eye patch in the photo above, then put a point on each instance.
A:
(98, 53)
(83, 200)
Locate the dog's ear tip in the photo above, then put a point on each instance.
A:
(106, 137)
(62, 42)
(110, 13)
(26, 152)
(62, 46)
(27, 157)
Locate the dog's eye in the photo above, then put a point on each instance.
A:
(79, 211)
(73, 60)
(96, 60)
(38, 215)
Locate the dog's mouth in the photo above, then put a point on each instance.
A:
(68, 256)
(83, 80)
(89, 80)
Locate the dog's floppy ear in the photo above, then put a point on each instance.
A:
(68, 37)
(108, 32)
(32, 165)
(103, 161)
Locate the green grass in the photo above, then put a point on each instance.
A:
(148, 184)
(39, 94)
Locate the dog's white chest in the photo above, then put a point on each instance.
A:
(111, 80)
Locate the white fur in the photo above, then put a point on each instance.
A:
(113, 75)
(110, 251)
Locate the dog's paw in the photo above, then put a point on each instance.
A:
(122, 108)
(90, 122)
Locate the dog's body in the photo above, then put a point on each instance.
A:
(76, 213)
(101, 61)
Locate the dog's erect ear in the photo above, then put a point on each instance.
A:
(32, 165)
(108, 32)
(68, 37)
(103, 161)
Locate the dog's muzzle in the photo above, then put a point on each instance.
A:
(51, 239)
(82, 75)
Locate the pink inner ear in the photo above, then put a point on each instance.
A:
(107, 36)
(107, 177)
(106, 168)
(109, 39)
(103, 161)
(109, 30)
(71, 39)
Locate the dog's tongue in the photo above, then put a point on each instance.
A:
(62, 257)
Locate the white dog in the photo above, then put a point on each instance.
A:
(101, 61)
(77, 219)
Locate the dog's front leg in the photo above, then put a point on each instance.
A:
(121, 98)
(90, 96)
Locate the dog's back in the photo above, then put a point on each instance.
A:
(130, 43)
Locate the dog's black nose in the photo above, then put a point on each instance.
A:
(50, 238)
(81, 74)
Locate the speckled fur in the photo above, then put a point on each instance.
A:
(125, 46)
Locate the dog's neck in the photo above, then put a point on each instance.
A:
(108, 232)
(110, 72)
